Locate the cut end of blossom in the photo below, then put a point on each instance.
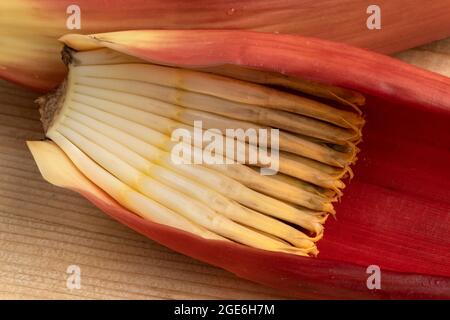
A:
(50, 105)
(115, 116)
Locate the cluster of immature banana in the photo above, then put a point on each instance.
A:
(114, 117)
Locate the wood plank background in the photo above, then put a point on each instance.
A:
(44, 229)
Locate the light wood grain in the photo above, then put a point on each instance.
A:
(434, 56)
(44, 229)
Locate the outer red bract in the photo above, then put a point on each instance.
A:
(30, 51)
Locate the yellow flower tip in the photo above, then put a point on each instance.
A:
(81, 42)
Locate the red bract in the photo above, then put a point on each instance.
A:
(29, 28)
(396, 211)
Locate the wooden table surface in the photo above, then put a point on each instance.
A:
(44, 229)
